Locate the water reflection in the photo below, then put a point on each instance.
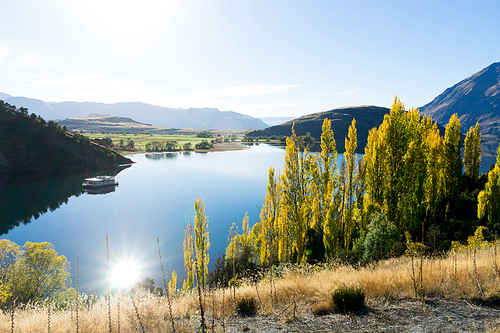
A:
(26, 196)
(102, 190)
(161, 156)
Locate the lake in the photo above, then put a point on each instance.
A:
(155, 199)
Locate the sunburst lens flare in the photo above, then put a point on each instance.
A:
(125, 274)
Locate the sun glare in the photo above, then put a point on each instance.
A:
(125, 274)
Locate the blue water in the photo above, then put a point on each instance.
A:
(155, 199)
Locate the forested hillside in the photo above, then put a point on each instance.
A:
(29, 142)
(367, 117)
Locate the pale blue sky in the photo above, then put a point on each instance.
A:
(262, 58)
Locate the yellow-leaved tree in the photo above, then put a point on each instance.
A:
(348, 184)
(452, 170)
(188, 257)
(489, 198)
(294, 193)
(201, 242)
(31, 273)
(268, 251)
(403, 166)
(472, 152)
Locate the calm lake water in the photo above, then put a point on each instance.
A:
(155, 199)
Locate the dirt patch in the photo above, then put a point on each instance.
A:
(437, 315)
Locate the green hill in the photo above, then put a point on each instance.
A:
(27, 142)
(367, 117)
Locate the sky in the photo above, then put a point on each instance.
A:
(257, 57)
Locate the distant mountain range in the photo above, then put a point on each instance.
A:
(367, 117)
(202, 118)
(474, 99)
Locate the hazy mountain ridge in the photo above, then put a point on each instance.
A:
(202, 118)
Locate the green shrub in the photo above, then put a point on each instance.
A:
(347, 299)
(383, 239)
(246, 306)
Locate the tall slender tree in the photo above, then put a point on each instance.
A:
(268, 217)
(189, 256)
(452, 171)
(472, 152)
(348, 185)
(328, 168)
(489, 198)
(201, 241)
(294, 193)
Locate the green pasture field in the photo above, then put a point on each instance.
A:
(140, 140)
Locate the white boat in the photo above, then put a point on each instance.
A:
(99, 181)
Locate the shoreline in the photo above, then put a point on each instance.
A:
(219, 147)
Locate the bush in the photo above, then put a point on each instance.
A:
(204, 144)
(246, 306)
(347, 299)
(383, 239)
(205, 135)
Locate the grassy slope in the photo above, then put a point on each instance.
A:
(300, 289)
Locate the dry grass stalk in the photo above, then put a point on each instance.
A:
(166, 286)
(77, 292)
(109, 291)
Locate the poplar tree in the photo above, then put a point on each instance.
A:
(201, 241)
(294, 193)
(375, 176)
(285, 230)
(489, 198)
(472, 152)
(412, 201)
(348, 185)
(233, 243)
(328, 167)
(268, 214)
(402, 168)
(452, 171)
(393, 134)
(331, 231)
(188, 246)
(433, 186)
(329, 198)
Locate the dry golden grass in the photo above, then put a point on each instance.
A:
(297, 292)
